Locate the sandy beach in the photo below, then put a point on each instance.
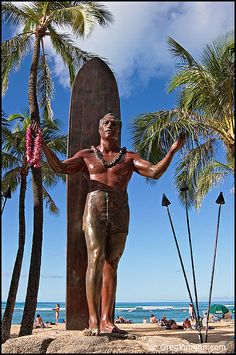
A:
(221, 331)
(140, 338)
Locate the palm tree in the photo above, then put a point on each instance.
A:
(205, 112)
(42, 19)
(16, 172)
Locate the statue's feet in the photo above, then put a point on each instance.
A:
(91, 332)
(116, 330)
(111, 329)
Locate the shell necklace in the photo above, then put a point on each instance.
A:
(108, 164)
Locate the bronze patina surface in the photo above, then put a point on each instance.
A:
(94, 93)
(106, 170)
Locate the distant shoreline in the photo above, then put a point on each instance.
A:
(156, 301)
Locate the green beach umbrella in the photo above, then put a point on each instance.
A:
(218, 308)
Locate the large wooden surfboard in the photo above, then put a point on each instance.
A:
(94, 94)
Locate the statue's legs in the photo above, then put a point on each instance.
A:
(114, 249)
(105, 225)
(95, 242)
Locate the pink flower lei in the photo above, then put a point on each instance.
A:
(33, 147)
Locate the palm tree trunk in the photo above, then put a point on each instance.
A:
(36, 252)
(11, 299)
(32, 86)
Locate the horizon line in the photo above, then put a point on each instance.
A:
(187, 301)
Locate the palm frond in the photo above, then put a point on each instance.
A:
(13, 141)
(80, 17)
(4, 126)
(50, 204)
(13, 50)
(9, 161)
(192, 79)
(219, 50)
(72, 56)
(54, 137)
(11, 14)
(14, 144)
(95, 13)
(32, 12)
(45, 88)
(11, 178)
(17, 116)
(210, 176)
(191, 166)
(194, 161)
(209, 87)
(154, 133)
(180, 52)
(230, 158)
(49, 177)
(50, 127)
(205, 111)
(59, 144)
(13, 154)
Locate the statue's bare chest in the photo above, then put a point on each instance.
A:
(122, 167)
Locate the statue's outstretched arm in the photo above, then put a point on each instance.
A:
(145, 168)
(67, 166)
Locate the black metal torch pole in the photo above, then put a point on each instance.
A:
(166, 202)
(220, 201)
(184, 188)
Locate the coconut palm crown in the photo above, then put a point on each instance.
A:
(49, 19)
(205, 111)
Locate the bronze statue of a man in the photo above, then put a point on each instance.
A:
(106, 214)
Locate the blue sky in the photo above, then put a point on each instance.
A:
(149, 269)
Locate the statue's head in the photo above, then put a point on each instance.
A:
(109, 126)
(108, 117)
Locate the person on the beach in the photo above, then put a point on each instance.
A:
(153, 319)
(120, 320)
(227, 315)
(169, 324)
(39, 322)
(173, 325)
(187, 324)
(190, 311)
(57, 310)
(163, 321)
(106, 214)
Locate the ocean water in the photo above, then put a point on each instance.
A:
(134, 311)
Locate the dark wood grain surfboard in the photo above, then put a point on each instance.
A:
(94, 94)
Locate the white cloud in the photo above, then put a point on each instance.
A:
(136, 46)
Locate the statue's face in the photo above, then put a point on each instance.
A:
(109, 128)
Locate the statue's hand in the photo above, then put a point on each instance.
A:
(179, 143)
